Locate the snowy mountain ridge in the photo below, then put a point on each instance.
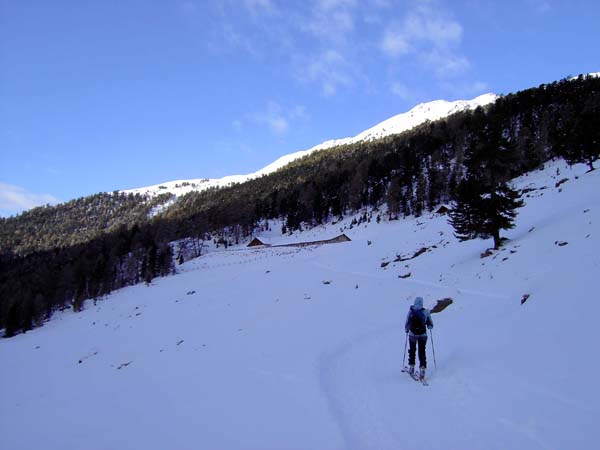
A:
(399, 123)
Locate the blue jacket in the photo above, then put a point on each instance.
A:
(418, 305)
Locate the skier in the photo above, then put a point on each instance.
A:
(417, 319)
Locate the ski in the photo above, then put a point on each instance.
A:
(415, 377)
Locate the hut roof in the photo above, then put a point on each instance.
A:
(256, 242)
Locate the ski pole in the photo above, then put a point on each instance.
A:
(433, 348)
(404, 357)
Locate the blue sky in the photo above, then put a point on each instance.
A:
(104, 95)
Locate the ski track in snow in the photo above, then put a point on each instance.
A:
(358, 388)
(349, 382)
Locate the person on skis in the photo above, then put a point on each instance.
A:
(417, 322)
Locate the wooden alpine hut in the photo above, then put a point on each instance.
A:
(256, 242)
(443, 210)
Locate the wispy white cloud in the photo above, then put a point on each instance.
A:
(229, 37)
(331, 20)
(540, 6)
(329, 68)
(225, 7)
(14, 199)
(258, 7)
(278, 124)
(395, 43)
(332, 62)
(429, 34)
(275, 117)
(402, 90)
(328, 5)
(445, 64)
(426, 24)
(478, 87)
(334, 44)
(318, 34)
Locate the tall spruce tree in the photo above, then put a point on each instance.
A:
(585, 141)
(482, 211)
(484, 202)
(499, 211)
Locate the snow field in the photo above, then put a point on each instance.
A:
(296, 348)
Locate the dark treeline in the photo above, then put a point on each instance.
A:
(34, 286)
(411, 173)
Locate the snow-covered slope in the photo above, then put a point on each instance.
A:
(301, 348)
(402, 122)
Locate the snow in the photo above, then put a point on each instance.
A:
(251, 349)
(402, 122)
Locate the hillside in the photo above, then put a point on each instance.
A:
(57, 257)
(302, 347)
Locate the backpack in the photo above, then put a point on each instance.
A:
(417, 322)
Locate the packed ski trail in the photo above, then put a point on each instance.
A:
(295, 348)
(378, 407)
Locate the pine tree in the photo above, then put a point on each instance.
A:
(482, 210)
(499, 211)
(485, 203)
(584, 145)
